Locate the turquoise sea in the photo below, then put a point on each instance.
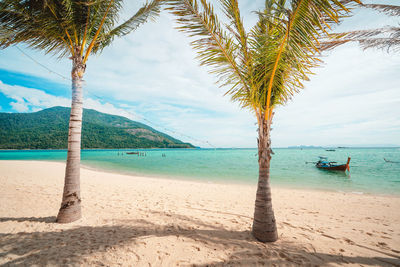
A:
(369, 173)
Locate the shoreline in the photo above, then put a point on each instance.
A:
(135, 220)
(210, 148)
(215, 181)
(229, 182)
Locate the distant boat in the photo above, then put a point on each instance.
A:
(324, 164)
(330, 150)
(132, 153)
(389, 161)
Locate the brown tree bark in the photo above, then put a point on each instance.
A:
(264, 224)
(70, 209)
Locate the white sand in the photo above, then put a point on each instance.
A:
(139, 221)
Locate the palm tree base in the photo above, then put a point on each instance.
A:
(69, 214)
(264, 236)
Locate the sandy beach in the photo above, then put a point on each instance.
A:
(139, 221)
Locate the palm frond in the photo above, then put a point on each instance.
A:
(150, 10)
(232, 12)
(390, 10)
(216, 48)
(380, 38)
(105, 21)
(33, 24)
(381, 43)
(305, 24)
(63, 26)
(268, 65)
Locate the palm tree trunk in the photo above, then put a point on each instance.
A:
(70, 209)
(264, 225)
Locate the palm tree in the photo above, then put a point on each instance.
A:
(386, 37)
(263, 68)
(75, 29)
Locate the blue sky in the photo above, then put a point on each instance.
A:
(152, 75)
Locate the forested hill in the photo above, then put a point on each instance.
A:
(48, 128)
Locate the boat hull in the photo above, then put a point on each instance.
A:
(328, 166)
(334, 168)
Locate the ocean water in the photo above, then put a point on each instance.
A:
(369, 173)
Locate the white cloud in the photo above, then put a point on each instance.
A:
(31, 100)
(349, 101)
(27, 98)
(20, 106)
(109, 108)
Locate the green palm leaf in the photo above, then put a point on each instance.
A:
(216, 47)
(59, 26)
(266, 66)
(263, 68)
(77, 29)
(149, 11)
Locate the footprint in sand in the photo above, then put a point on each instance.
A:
(348, 241)
(382, 245)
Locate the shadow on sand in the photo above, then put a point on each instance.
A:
(50, 219)
(71, 246)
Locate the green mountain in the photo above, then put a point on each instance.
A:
(48, 128)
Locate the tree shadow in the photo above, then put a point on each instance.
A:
(49, 219)
(71, 246)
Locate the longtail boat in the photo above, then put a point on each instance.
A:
(324, 164)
